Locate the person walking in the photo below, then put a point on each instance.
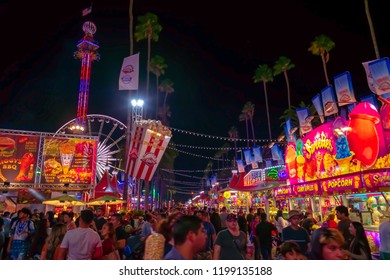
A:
(231, 242)
(296, 233)
(344, 223)
(264, 234)
(22, 231)
(359, 249)
(82, 243)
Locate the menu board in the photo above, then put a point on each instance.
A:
(18, 158)
(69, 160)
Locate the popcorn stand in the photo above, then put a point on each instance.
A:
(342, 162)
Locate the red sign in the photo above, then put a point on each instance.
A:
(309, 189)
(341, 184)
(282, 192)
(68, 161)
(18, 158)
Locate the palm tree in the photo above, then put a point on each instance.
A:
(263, 74)
(292, 114)
(249, 109)
(321, 46)
(157, 66)
(372, 31)
(233, 134)
(148, 28)
(166, 86)
(244, 117)
(282, 65)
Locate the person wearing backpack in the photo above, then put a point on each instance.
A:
(21, 233)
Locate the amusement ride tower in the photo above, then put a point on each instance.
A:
(87, 52)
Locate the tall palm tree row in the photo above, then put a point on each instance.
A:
(148, 29)
(264, 74)
(321, 46)
(282, 65)
(157, 66)
(249, 110)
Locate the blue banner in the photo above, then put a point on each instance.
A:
(304, 120)
(318, 105)
(240, 166)
(329, 101)
(257, 153)
(380, 71)
(248, 156)
(344, 89)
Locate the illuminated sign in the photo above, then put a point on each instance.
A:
(376, 179)
(342, 184)
(282, 192)
(306, 189)
(253, 177)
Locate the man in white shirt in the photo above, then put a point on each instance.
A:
(82, 243)
(384, 235)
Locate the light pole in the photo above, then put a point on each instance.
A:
(136, 115)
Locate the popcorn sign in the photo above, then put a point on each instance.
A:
(149, 139)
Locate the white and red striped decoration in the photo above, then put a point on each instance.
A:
(146, 150)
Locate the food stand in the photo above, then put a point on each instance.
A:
(342, 162)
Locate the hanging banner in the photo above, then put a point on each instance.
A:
(69, 160)
(129, 75)
(248, 157)
(329, 101)
(257, 153)
(304, 120)
(380, 71)
(18, 158)
(149, 140)
(344, 89)
(318, 105)
(370, 81)
(240, 166)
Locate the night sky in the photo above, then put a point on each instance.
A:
(212, 49)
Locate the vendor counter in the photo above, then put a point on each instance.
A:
(372, 233)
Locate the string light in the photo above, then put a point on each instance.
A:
(220, 137)
(197, 170)
(195, 155)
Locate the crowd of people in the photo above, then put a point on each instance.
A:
(185, 234)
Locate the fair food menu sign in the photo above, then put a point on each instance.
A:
(69, 160)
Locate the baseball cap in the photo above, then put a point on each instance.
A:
(231, 217)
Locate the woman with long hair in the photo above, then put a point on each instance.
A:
(108, 243)
(51, 247)
(359, 249)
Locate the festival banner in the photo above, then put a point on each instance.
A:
(18, 158)
(254, 163)
(380, 71)
(129, 75)
(304, 120)
(318, 105)
(344, 89)
(148, 144)
(240, 166)
(257, 153)
(69, 160)
(290, 131)
(248, 156)
(370, 81)
(344, 184)
(276, 152)
(329, 101)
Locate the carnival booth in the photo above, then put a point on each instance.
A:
(343, 162)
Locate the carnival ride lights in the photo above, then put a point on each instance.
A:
(87, 52)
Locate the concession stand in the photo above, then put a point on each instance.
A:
(343, 162)
(36, 166)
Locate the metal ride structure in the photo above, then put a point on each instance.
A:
(111, 133)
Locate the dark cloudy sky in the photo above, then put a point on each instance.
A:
(212, 49)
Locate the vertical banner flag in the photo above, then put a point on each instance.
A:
(329, 101)
(290, 134)
(257, 153)
(254, 164)
(129, 76)
(240, 166)
(247, 156)
(370, 81)
(304, 120)
(268, 163)
(86, 11)
(276, 152)
(380, 71)
(318, 105)
(370, 99)
(344, 89)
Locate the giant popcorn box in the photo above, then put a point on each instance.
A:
(149, 139)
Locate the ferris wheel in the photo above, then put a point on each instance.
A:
(111, 135)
